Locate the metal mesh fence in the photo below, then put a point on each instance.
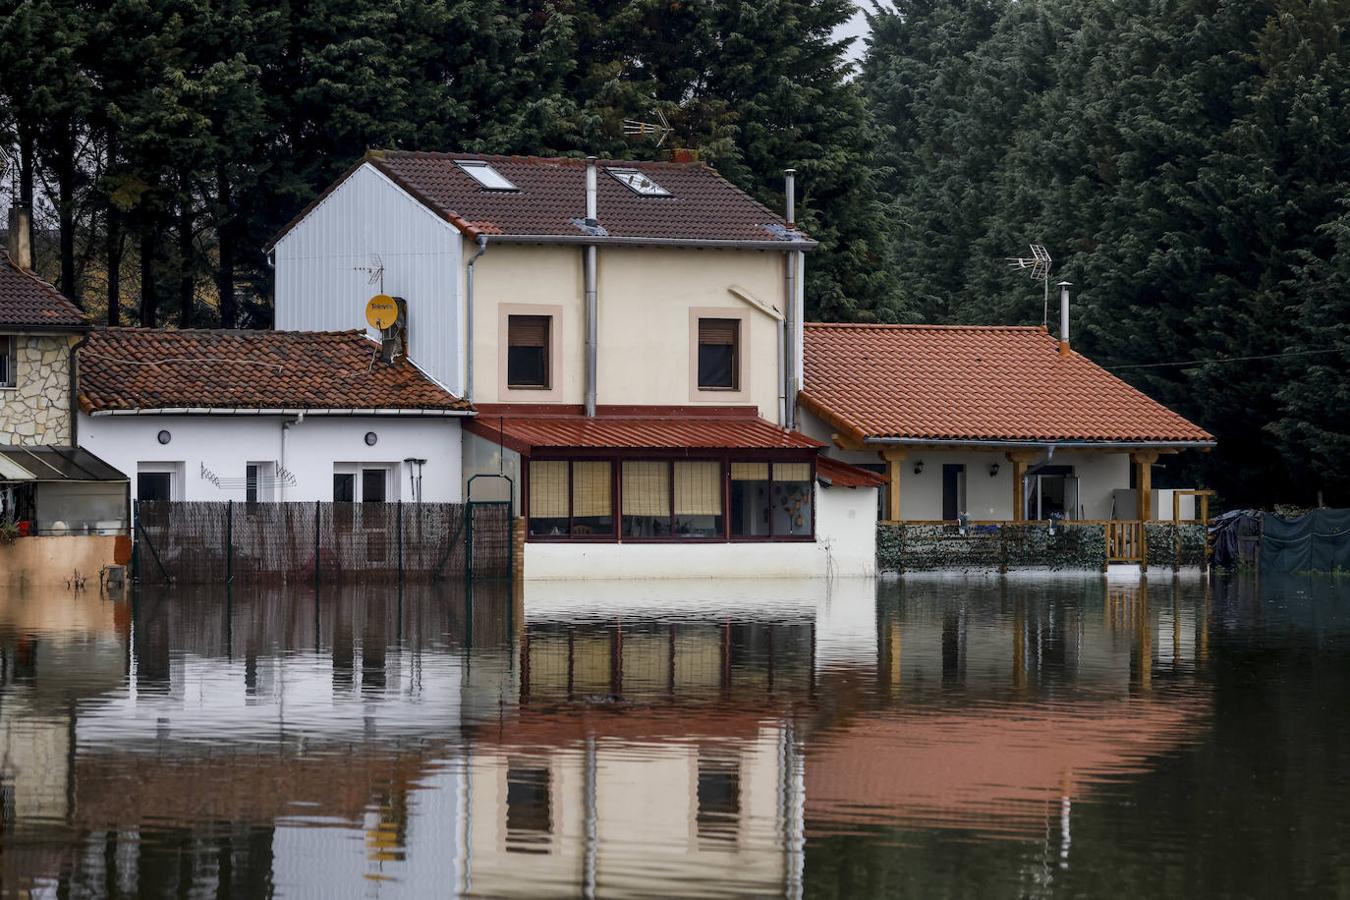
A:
(205, 542)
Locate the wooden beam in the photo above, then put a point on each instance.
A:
(895, 458)
(847, 442)
(1143, 461)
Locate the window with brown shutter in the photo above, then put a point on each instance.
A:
(527, 354)
(718, 354)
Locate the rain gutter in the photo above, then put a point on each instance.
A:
(248, 411)
(1063, 445)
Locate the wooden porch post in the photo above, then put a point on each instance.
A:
(895, 458)
(1020, 460)
(1143, 461)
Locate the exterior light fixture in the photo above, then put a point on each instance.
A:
(372, 438)
(993, 470)
(164, 437)
(918, 467)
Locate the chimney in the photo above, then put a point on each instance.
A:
(1064, 317)
(394, 339)
(684, 155)
(591, 214)
(19, 241)
(790, 193)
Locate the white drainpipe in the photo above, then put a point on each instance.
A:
(468, 318)
(591, 304)
(790, 287)
(281, 463)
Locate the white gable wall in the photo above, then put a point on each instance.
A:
(321, 284)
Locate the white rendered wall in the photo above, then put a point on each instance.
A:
(845, 546)
(226, 444)
(321, 285)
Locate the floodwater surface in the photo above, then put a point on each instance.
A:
(1067, 737)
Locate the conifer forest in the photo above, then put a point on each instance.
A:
(1186, 163)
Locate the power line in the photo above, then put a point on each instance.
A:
(1229, 359)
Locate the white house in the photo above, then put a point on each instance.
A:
(267, 415)
(629, 335)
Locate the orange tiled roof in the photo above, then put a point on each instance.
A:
(155, 368)
(535, 429)
(841, 474)
(28, 302)
(550, 199)
(959, 382)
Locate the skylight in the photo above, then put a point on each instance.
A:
(485, 175)
(639, 183)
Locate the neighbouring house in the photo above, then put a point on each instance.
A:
(629, 334)
(267, 415)
(989, 422)
(61, 508)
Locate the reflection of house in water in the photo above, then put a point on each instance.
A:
(1059, 692)
(645, 754)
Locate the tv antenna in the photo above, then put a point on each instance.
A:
(661, 129)
(375, 271)
(1039, 263)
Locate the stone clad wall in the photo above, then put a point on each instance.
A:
(37, 410)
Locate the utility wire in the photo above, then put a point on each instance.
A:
(1228, 359)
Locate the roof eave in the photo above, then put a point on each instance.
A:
(276, 411)
(709, 243)
(1023, 443)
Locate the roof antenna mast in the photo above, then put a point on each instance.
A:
(1039, 263)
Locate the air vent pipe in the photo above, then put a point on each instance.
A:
(19, 241)
(588, 267)
(1064, 317)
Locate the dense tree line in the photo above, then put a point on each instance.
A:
(163, 142)
(1186, 161)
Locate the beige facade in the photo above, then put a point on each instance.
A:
(649, 302)
(36, 411)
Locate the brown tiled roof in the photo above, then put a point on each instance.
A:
(960, 382)
(629, 428)
(27, 301)
(155, 368)
(841, 474)
(550, 200)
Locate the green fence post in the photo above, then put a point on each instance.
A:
(316, 547)
(468, 539)
(229, 541)
(135, 540)
(398, 529)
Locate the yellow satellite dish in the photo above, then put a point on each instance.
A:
(381, 312)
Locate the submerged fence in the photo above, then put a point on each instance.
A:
(223, 542)
(1012, 546)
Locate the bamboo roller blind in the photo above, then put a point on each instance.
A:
(527, 331)
(591, 489)
(698, 488)
(646, 488)
(548, 490)
(718, 331)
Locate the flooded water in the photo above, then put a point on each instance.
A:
(943, 738)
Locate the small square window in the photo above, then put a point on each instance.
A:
(718, 354)
(9, 375)
(486, 176)
(527, 352)
(639, 183)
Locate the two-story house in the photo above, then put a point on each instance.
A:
(61, 508)
(630, 337)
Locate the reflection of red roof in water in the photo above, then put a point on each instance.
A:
(984, 771)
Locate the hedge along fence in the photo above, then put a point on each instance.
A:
(1010, 546)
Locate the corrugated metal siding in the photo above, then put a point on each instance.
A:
(320, 287)
(707, 433)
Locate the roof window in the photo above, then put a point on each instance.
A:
(489, 178)
(639, 183)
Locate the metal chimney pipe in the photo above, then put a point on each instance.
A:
(790, 195)
(590, 191)
(1064, 317)
(19, 238)
(592, 306)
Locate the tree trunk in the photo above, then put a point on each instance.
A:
(186, 259)
(149, 239)
(225, 225)
(114, 257)
(65, 210)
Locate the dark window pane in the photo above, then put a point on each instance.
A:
(153, 486)
(716, 366)
(750, 499)
(251, 484)
(344, 487)
(529, 820)
(527, 367)
(719, 799)
(373, 483)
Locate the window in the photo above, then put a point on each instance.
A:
(356, 483)
(486, 176)
(750, 491)
(344, 487)
(638, 182)
(529, 819)
(527, 354)
(698, 499)
(953, 491)
(1053, 491)
(571, 498)
(793, 492)
(374, 485)
(680, 500)
(251, 483)
(718, 356)
(719, 798)
(154, 487)
(9, 375)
